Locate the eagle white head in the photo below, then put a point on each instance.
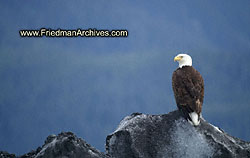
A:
(183, 60)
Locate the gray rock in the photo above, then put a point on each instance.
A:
(4, 154)
(65, 145)
(148, 136)
(169, 135)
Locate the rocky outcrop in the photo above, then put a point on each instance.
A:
(148, 136)
(4, 154)
(65, 145)
(169, 135)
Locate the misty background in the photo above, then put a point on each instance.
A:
(87, 85)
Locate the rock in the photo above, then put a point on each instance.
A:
(4, 154)
(148, 136)
(169, 135)
(65, 145)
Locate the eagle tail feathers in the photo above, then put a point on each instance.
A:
(194, 118)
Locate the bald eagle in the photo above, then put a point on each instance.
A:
(188, 87)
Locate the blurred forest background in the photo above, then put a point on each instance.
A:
(87, 85)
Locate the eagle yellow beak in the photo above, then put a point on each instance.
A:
(177, 58)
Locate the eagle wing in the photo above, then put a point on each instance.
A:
(194, 85)
(188, 86)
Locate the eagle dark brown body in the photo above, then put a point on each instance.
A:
(188, 87)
